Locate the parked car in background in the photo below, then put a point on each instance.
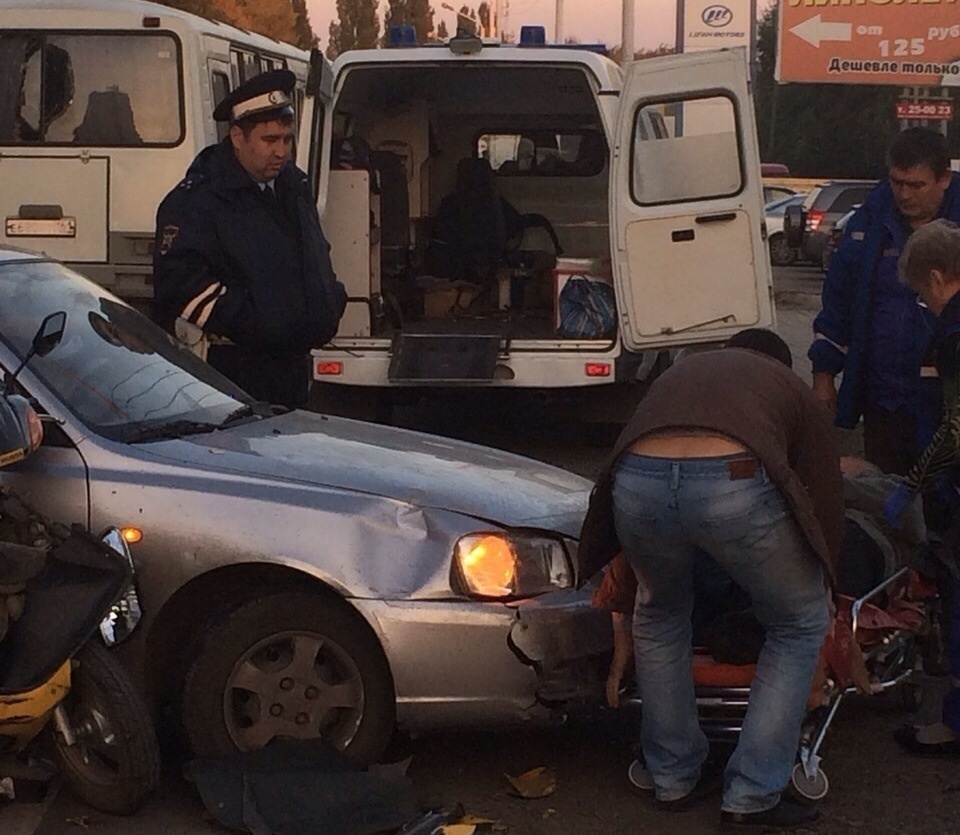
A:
(781, 253)
(824, 206)
(774, 169)
(301, 575)
(833, 241)
(773, 192)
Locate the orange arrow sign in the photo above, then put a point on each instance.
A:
(903, 42)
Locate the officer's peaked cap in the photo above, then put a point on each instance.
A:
(262, 98)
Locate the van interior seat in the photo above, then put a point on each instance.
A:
(389, 178)
(476, 230)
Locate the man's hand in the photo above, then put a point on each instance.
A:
(622, 656)
(825, 390)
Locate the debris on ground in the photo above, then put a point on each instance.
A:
(535, 783)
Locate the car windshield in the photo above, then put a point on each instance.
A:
(119, 373)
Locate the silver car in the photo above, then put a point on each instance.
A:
(301, 575)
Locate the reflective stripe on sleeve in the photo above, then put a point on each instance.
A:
(841, 348)
(205, 309)
(202, 298)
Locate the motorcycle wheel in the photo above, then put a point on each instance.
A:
(115, 763)
(289, 665)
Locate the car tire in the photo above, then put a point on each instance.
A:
(252, 680)
(781, 255)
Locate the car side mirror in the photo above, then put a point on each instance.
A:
(49, 334)
(46, 338)
(794, 221)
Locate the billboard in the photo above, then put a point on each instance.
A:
(913, 44)
(707, 24)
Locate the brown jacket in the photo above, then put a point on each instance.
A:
(758, 402)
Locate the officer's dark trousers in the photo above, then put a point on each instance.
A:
(283, 381)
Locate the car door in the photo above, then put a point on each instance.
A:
(687, 235)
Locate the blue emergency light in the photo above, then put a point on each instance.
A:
(402, 34)
(533, 36)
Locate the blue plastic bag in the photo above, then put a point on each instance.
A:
(588, 309)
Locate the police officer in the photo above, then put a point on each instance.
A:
(242, 270)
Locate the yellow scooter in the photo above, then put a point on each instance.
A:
(65, 595)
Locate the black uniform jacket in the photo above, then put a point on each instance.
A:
(243, 265)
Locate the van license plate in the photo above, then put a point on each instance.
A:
(61, 227)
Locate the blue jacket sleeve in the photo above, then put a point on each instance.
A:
(833, 325)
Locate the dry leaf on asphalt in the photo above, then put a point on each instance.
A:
(537, 782)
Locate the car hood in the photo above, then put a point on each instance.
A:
(413, 467)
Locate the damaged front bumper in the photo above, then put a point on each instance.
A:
(472, 664)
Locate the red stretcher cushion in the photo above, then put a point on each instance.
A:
(708, 673)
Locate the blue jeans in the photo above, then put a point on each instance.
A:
(665, 512)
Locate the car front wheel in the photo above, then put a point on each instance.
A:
(781, 255)
(290, 665)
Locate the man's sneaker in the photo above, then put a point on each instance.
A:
(787, 814)
(710, 783)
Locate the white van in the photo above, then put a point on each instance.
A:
(464, 185)
(103, 106)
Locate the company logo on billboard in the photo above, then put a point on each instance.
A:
(716, 16)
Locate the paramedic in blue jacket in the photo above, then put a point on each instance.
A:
(241, 266)
(871, 328)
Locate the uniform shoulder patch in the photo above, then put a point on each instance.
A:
(191, 181)
(858, 236)
(167, 236)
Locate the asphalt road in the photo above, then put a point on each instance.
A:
(874, 788)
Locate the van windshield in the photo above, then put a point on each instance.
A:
(100, 90)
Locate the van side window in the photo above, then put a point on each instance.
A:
(101, 90)
(700, 161)
(221, 86)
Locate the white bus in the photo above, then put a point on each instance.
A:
(103, 105)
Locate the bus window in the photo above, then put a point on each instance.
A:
(104, 90)
(221, 86)
(246, 65)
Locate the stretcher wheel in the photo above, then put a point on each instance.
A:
(814, 788)
(640, 778)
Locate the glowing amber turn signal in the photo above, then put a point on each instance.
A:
(489, 565)
(131, 535)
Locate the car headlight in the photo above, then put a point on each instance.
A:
(499, 565)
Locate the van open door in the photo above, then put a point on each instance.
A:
(313, 113)
(690, 261)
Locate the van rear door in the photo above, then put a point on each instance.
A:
(313, 123)
(56, 205)
(686, 208)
